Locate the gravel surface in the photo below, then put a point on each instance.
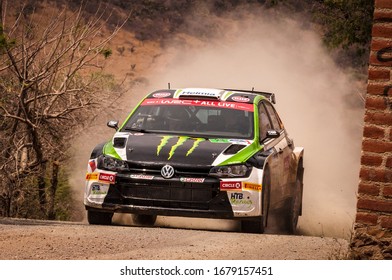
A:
(35, 239)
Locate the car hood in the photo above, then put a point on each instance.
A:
(153, 149)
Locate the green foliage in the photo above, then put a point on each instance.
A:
(4, 43)
(26, 202)
(28, 206)
(2, 38)
(63, 199)
(346, 22)
(104, 81)
(106, 52)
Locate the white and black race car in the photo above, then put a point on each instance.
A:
(198, 152)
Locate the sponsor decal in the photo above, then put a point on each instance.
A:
(92, 165)
(96, 189)
(240, 141)
(240, 99)
(220, 104)
(236, 196)
(181, 140)
(91, 176)
(200, 93)
(219, 140)
(234, 201)
(111, 178)
(230, 185)
(192, 180)
(252, 187)
(166, 101)
(141, 176)
(239, 200)
(161, 94)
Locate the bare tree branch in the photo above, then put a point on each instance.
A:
(51, 75)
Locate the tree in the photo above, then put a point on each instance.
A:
(51, 80)
(347, 25)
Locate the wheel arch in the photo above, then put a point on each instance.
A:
(98, 150)
(297, 164)
(299, 171)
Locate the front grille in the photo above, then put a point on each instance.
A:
(154, 169)
(171, 193)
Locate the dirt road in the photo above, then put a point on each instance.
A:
(33, 239)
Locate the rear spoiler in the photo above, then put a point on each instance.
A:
(270, 96)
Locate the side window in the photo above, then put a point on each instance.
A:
(264, 122)
(276, 123)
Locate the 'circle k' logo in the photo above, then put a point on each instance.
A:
(230, 185)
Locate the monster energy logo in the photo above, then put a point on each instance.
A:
(164, 141)
(180, 142)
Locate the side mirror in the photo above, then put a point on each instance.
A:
(272, 134)
(113, 124)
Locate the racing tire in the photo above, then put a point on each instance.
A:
(295, 206)
(259, 225)
(99, 218)
(144, 220)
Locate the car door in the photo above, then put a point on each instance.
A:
(275, 158)
(284, 153)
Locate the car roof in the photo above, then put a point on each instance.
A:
(229, 95)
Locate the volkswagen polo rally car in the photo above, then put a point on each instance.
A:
(198, 152)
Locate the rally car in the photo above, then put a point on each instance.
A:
(198, 152)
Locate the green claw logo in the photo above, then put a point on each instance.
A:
(180, 142)
(164, 141)
(195, 145)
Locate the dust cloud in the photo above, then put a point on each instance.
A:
(282, 56)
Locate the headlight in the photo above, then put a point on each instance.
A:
(229, 171)
(111, 163)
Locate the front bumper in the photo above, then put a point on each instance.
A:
(204, 197)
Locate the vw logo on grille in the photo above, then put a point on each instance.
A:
(167, 171)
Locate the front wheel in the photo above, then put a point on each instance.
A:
(99, 218)
(295, 206)
(259, 225)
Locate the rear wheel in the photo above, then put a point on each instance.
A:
(259, 225)
(144, 220)
(99, 218)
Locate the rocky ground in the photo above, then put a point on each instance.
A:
(47, 240)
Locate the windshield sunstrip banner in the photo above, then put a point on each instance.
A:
(216, 104)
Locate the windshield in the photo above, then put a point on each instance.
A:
(207, 119)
